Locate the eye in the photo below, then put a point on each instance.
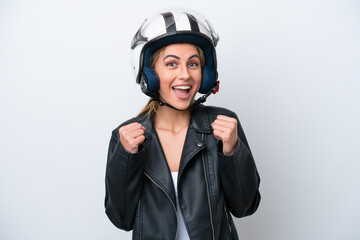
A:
(193, 65)
(171, 64)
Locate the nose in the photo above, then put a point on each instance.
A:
(184, 72)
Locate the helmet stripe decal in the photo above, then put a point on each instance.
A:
(193, 23)
(169, 22)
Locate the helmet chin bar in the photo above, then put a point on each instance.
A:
(201, 99)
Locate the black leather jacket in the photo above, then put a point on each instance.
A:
(139, 189)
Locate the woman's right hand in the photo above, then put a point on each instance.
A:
(131, 136)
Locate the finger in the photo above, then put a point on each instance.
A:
(133, 145)
(218, 134)
(134, 141)
(226, 118)
(136, 133)
(139, 140)
(130, 126)
(128, 137)
(223, 123)
(128, 129)
(135, 130)
(221, 128)
(223, 136)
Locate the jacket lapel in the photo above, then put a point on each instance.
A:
(193, 144)
(155, 164)
(194, 141)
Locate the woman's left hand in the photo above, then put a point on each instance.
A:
(225, 129)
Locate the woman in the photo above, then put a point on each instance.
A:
(178, 169)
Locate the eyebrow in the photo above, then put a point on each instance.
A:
(195, 55)
(178, 58)
(170, 55)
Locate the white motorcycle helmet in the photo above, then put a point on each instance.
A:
(168, 27)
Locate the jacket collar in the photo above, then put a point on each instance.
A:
(199, 120)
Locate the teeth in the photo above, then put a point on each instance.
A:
(182, 87)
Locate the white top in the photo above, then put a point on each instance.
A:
(182, 234)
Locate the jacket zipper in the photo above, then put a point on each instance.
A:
(227, 216)
(207, 189)
(177, 217)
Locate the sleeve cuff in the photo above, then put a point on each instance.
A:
(229, 157)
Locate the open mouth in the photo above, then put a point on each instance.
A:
(182, 91)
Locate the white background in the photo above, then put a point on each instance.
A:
(290, 69)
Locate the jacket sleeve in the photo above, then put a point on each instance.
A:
(240, 178)
(123, 182)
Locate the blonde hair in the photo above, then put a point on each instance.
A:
(151, 107)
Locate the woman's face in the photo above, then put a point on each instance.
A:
(179, 71)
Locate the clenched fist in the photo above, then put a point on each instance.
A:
(225, 129)
(131, 136)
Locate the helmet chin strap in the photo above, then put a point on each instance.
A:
(201, 99)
